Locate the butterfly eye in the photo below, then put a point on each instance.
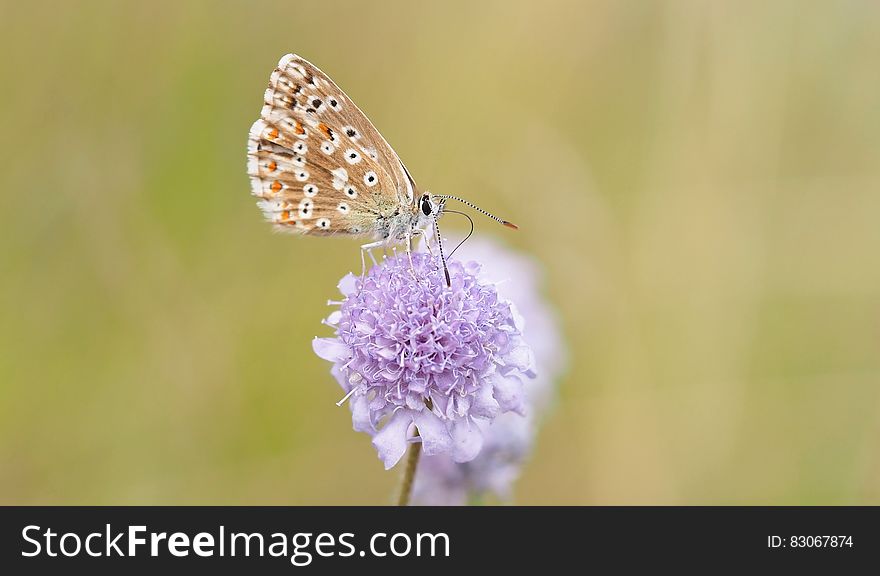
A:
(426, 206)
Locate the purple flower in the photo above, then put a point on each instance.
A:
(413, 353)
(508, 440)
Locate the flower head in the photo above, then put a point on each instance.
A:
(509, 439)
(414, 353)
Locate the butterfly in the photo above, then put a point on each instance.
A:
(321, 168)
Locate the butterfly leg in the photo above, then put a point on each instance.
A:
(426, 240)
(367, 248)
(412, 268)
(409, 250)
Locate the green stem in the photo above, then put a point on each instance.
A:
(409, 473)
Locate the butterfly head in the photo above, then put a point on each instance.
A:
(429, 208)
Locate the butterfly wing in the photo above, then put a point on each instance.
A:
(316, 162)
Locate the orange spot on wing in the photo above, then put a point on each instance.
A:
(273, 133)
(298, 128)
(285, 215)
(276, 186)
(272, 166)
(325, 129)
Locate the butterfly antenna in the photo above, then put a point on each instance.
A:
(442, 257)
(480, 210)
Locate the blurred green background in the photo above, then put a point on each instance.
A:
(700, 181)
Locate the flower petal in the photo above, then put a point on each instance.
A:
(518, 321)
(331, 349)
(485, 405)
(348, 284)
(521, 357)
(360, 414)
(467, 439)
(509, 393)
(435, 436)
(390, 441)
(341, 378)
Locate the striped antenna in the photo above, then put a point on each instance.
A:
(480, 210)
(442, 257)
